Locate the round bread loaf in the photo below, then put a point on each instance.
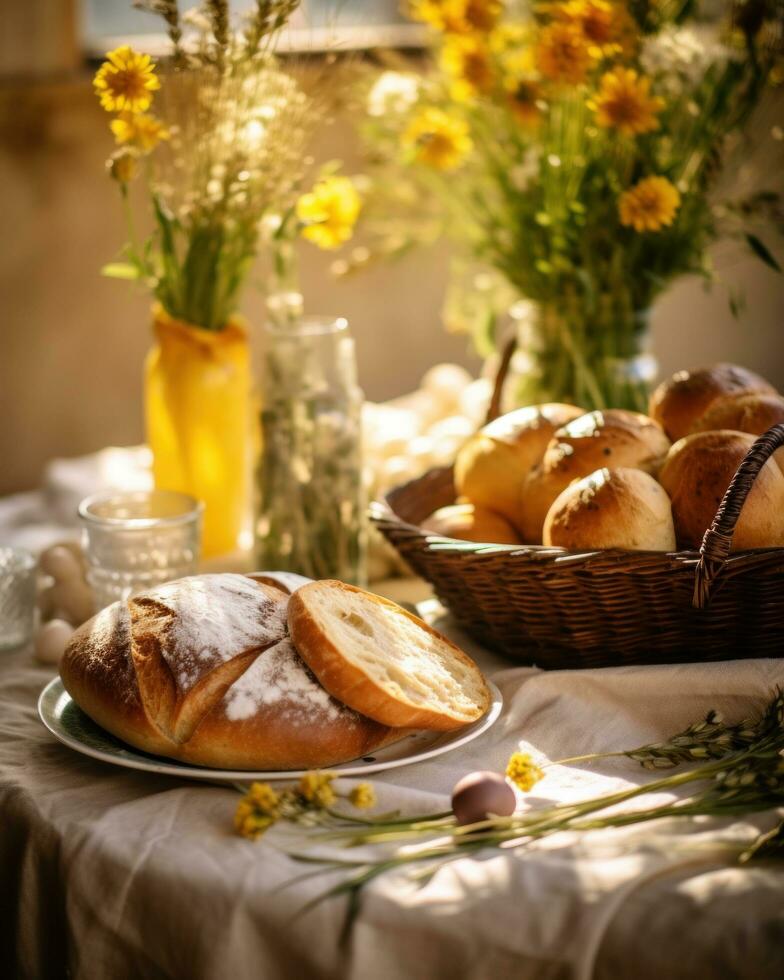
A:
(682, 399)
(621, 508)
(491, 467)
(603, 439)
(745, 413)
(697, 472)
(471, 522)
(202, 670)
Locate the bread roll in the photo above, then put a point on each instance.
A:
(745, 413)
(491, 467)
(202, 670)
(696, 474)
(471, 522)
(386, 663)
(621, 508)
(287, 582)
(682, 399)
(609, 438)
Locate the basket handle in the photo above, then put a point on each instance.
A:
(494, 408)
(716, 544)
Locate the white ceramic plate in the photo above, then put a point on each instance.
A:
(68, 723)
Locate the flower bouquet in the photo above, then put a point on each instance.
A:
(223, 161)
(573, 150)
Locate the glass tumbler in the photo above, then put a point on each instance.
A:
(17, 597)
(137, 540)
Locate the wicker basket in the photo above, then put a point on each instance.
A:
(562, 609)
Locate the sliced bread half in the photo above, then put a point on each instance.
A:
(382, 661)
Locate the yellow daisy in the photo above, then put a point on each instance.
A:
(562, 55)
(523, 98)
(606, 26)
(437, 139)
(316, 787)
(624, 102)
(362, 796)
(466, 59)
(144, 131)
(523, 771)
(126, 80)
(457, 16)
(650, 205)
(329, 212)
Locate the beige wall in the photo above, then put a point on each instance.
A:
(73, 343)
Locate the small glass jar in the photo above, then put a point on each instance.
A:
(137, 540)
(310, 500)
(17, 597)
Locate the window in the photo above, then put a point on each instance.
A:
(318, 23)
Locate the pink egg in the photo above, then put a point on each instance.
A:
(480, 795)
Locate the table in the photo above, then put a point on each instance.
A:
(114, 873)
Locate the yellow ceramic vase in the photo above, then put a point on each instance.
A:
(197, 408)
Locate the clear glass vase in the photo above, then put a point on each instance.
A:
(594, 357)
(310, 500)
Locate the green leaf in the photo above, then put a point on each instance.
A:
(763, 252)
(121, 270)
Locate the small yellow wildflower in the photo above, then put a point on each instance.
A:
(466, 59)
(329, 212)
(523, 771)
(248, 822)
(650, 205)
(144, 131)
(126, 80)
(362, 796)
(523, 98)
(316, 788)
(562, 55)
(624, 102)
(264, 798)
(457, 16)
(437, 139)
(123, 166)
(606, 26)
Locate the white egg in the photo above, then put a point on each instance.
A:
(446, 382)
(51, 640)
(61, 563)
(75, 599)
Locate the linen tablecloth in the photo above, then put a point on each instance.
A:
(111, 873)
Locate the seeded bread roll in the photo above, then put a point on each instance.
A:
(386, 663)
(203, 670)
(681, 400)
(604, 439)
(491, 467)
(471, 522)
(622, 508)
(696, 474)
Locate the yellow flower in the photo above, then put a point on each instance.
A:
(562, 55)
(624, 102)
(145, 131)
(316, 788)
(363, 796)
(123, 166)
(264, 798)
(650, 204)
(524, 96)
(605, 26)
(457, 16)
(437, 140)
(467, 60)
(248, 822)
(126, 80)
(523, 771)
(329, 212)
